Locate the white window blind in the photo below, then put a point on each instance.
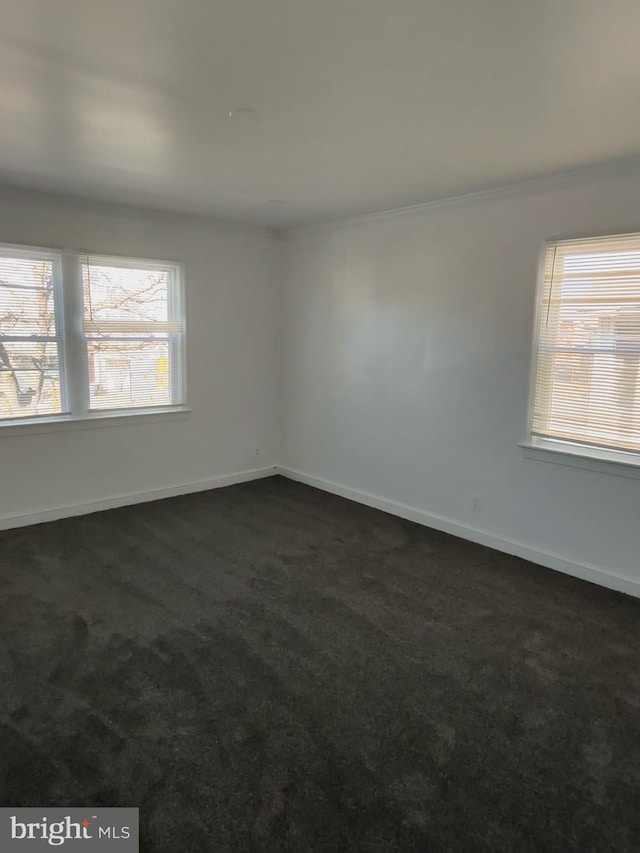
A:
(31, 384)
(133, 327)
(586, 382)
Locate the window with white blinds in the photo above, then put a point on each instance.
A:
(31, 380)
(133, 329)
(586, 373)
(83, 336)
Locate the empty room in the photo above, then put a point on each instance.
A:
(320, 426)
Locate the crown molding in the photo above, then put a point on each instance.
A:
(568, 178)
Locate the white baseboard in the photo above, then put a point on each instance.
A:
(594, 574)
(68, 511)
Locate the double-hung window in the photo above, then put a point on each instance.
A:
(85, 336)
(31, 338)
(585, 395)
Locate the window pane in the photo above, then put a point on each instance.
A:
(26, 312)
(128, 374)
(116, 293)
(29, 379)
(26, 272)
(26, 297)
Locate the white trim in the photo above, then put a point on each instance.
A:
(568, 178)
(75, 376)
(130, 498)
(591, 573)
(534, 345)
(93, 420)
(593, 459)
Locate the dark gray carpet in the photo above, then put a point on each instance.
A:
(268, 667)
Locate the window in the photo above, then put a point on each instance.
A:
(83, 336)
(586, 377)
(30, 334)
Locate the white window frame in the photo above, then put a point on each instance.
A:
(560, 451)
(72, 344)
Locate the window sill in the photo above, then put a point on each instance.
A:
(617, 465)
(93, 421)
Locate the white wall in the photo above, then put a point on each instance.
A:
(393, 362)
(406, 360)
(232, 275)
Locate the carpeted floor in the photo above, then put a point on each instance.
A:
(268, 667)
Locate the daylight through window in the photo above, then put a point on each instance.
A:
(85, 335)
(586, 383)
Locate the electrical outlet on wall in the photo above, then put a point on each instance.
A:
(474, 504)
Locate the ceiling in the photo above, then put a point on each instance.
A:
(360, 105)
